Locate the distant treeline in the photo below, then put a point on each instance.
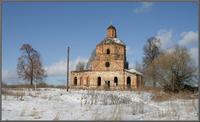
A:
(39, 85)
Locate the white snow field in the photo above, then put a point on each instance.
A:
(58, 104)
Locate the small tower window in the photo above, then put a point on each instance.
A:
(107, 64)
(108, 51)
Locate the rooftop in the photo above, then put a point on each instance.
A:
(111, 41)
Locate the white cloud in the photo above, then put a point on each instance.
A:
(60, 67)
(194, 54)
(171, 49)
(9, 75)
(189, 38)
(165, 37)
(145, 7)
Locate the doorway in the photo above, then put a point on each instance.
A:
(75, 81)
(107, 84)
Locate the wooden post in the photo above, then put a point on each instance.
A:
(173, 82)
(67, 67)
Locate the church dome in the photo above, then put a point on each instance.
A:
(111, 32)
(111, 27)
(111, 37)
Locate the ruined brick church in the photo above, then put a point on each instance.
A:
(108, 68)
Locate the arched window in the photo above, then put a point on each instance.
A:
(128, 81)
(99, 81)
(107, 64)
(108, 51)
(75, 81)
(116, 81)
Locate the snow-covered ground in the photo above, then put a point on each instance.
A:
(58, 104)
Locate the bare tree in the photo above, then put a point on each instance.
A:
(80, 66)
(151, 51)
(29, 65)
(172, 69)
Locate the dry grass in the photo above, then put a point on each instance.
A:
(186, 95)
(37, 117)
(117, 112)
(149, 89)
(44, 97)
(159, 97)
(93, 97)
(23, 112)
(137, 108)
(170, 113)
(18, 94)
(163, 96)
(195, 106)
(32, 95)
(34, 112)
(188, 109)
(96, 115)
(192, 106)
(56, 117)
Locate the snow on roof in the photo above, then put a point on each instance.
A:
(133, 71)
(111, 40)
(118, 41)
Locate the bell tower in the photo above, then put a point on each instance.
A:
(111, 32)
(110, 53)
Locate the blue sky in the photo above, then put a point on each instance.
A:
(52, 26)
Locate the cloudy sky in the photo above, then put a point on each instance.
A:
(51, 27)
